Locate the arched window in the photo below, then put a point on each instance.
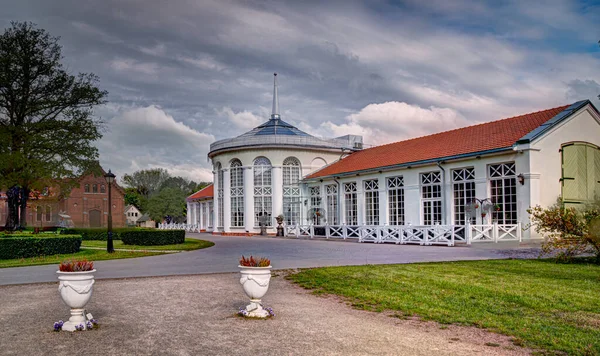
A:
(87, 188)
(219, 170)
(291, 190)
(263, 203)
(236, 176)
(95, 188)
(102, 189)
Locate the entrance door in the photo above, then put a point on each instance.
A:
(95, 218)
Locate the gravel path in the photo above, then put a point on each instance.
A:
(192, 315)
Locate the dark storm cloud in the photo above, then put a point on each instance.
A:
(208, 65)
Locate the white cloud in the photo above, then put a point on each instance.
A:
(395, 121)
(204, 61)
(243, 119)
(148, 137)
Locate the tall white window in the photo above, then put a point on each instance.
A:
(210, 214)
(331, 191)
(351, 203)
(291, 190)
(503, 192)
(263, 204)
(204, 210)
(431, 197)
(372, 201)
(463, 186)
(237, 193)
(315, 205)
(220, 194)
(395, 188)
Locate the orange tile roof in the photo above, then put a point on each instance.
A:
(483, 137)
(206, 192)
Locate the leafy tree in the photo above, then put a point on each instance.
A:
(147, 181)
(569, 231)
(132, 197)
(168, 202)
(46, 118)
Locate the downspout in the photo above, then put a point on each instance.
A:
(339, 206)
(443, 192)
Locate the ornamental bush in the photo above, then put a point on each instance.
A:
(569, 231)
(151, 237)
(23, 246)
(97, 234)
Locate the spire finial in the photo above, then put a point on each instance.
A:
(275, 111)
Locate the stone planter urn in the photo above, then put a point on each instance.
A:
(279, 220)
(255, 281)
(76, 289)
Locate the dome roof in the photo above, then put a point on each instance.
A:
(278, 133)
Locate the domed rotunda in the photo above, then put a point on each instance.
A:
(257, 175)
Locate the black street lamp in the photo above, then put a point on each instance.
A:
(110, 178)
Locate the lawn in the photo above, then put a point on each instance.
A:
(542, 304)
(188, 245)
(92, 255)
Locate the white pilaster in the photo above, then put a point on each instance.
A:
(248, 199)
(215, 199)
(226, 201)
(277, 192)
(189, 213)
(361, 208)
(383, 202)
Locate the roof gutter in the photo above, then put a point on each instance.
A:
(415, 163)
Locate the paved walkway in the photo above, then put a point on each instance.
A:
(195, 315)
(284, 253)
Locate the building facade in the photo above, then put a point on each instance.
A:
(483, 174)
(86, 206)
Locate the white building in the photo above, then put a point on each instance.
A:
(486, 174)
(131, 215)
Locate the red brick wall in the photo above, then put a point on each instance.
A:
(77, 205)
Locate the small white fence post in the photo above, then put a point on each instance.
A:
(344, 231)
(312, 231)
(519, 232)
(495, 231)
(327, 231)
(468, 232)
(297, 230)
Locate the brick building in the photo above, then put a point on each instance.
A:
(86, 205)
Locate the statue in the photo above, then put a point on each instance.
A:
(262, 222)
(279, 219)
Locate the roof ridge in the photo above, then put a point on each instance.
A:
(470, 126)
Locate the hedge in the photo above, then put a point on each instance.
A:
(23, 246)
(151, 237)
(97, 234)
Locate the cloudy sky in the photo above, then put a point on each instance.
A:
(184, 73)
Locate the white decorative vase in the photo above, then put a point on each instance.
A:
(76, 289)
(255, 281)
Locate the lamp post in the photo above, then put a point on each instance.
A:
(110, 178)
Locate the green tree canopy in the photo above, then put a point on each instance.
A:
(47, 127)
(168, 202)
(146, 181)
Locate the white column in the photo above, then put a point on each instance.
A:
(189, 213)
(226, 201)
(361, 207)
(277, 192)
(215, 199)
(248, 199)
(383, 202)
(199, 212)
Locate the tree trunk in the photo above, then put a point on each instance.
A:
(12, 221)
(24, 196)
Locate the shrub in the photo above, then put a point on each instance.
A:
(569, 231)
(76, 266)
(151, 237)
(23, 246)
(97, 234)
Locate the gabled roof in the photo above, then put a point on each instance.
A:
(484, 138)
(204, 193)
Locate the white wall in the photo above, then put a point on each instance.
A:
(545, 156)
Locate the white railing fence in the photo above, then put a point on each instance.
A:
(401, 234)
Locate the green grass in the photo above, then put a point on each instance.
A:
(188, 245)
(92, 255)
(542, 304)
